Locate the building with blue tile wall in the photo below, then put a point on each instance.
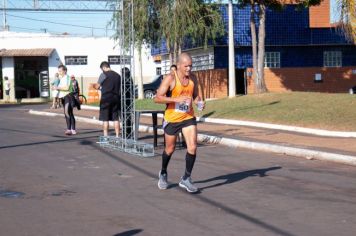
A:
(287, 32)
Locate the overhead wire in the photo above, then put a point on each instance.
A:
(58, 23)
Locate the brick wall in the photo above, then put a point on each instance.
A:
(213, 83)
(334, 80)
(319, 16)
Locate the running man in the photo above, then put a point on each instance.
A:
(179, 91)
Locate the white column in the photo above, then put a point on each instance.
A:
(232, 81)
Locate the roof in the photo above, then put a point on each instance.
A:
(33, 52)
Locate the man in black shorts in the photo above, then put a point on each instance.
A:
(110, 102)
(179, 91)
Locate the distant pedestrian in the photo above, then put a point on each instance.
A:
(179, 91)
(7, 89)
(56, 101)
(66, 99)
(173, 69)
(74, 92)
(109, 83)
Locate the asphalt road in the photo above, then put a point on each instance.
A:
(51, 184)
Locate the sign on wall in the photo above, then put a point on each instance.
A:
(44, 84)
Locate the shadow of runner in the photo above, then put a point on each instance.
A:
(234, 177)
(206, 200)
(129, 232)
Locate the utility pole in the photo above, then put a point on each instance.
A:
(5, 26)
(232, 81)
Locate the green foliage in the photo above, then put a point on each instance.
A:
(172, 21)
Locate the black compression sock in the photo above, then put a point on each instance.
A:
(189, 163)
(165, 160)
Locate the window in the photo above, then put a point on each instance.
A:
(119, 60)
(273, 60)
(332, 59)
(158, 70)
(76, 60)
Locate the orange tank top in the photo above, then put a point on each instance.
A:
(177, 112)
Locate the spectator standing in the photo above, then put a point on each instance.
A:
(109, 83)
(66, 99)
(56, 102)
(74, 92)
(7, 89)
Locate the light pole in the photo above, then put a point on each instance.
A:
(5, 26)
(232, 81)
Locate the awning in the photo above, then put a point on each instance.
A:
(33, 52)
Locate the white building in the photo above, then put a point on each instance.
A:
(27, 58)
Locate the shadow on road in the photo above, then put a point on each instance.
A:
(129, 232)
(234, 177)
(231, 178)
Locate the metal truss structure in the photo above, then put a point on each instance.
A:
(60, 5)
(123, 10)
(128, 140)
(126, 50)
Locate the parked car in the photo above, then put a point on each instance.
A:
(149, 89)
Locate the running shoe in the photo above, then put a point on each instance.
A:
(188, 185)
(68, 132)
(162, 181)
(73, 131)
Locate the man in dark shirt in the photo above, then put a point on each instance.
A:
(110, 105)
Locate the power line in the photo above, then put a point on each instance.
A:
(66, 12)
(62, 5)
(48, 31)
(58, 23)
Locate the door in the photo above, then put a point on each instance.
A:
(27, 72)
(240, 75)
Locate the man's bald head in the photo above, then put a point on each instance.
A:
(184, 64)
(184, 57)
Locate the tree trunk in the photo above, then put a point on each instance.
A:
(261, 86)
(254, 45)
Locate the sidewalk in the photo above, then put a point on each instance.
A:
(336, 149)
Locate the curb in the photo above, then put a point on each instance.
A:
(298, 152)
(235, 143)
(318, 132)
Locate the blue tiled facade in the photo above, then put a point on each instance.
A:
(287, 32)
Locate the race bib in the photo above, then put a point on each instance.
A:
(182, 107)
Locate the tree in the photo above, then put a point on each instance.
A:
(142, 26)
(258, 33)
(180, 21)
(172, 21)
(347, 9)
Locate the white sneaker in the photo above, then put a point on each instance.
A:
(188, 185)
(162, 181)
(73, 131)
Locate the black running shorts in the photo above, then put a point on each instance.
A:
(175, 128)
(109, 109)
